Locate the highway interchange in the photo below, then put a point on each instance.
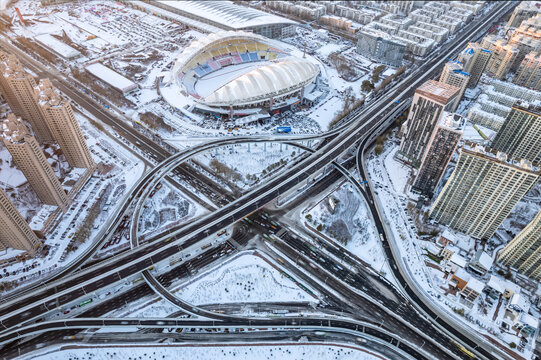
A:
(373, 306)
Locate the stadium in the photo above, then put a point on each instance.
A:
(237, 73)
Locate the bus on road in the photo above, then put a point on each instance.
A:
(283, 129)
(87, 301)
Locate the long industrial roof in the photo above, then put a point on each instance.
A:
(226, 13)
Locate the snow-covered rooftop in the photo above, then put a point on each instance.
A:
(496, 283)
(57, 46)
(475, 285)
(176, 17)
(226, 13)
(458, 260)
(111, 77)
(48, 94)
(483, 259)
(529, 320)
(501, 157)
(13, 129)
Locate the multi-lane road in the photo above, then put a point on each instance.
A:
(36, 303)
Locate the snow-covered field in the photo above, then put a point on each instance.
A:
(166, 207)
(243, 278)
(213, 352)
(248, 163)
(350, 226)
(247, 278)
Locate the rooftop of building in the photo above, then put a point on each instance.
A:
(48, 94)
(525, 39)
(13, 68)
(399, 19)
(532, 108)
(487, 153)
(529, 6)
(381, 34)
(227, 13)
(438, 92)
(462, 274)
(14, 129)
(496, 283)
(457, 67)
(458, 260)
(472, 47)
(452, 121)
(475, 285)
(483, 259)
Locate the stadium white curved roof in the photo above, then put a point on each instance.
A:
(226, 14)
(278, 78)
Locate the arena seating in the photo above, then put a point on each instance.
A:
(235, 51)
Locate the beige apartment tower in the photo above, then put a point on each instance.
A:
(17, 87)
(482, 190)
(15, 232)
(529, 72)
(454, 74)
(503, 56)
(474, 60)
(31, 160)
(64, 126)
(523, 253)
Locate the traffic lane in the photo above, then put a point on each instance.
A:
(344, 145)
(387, 319)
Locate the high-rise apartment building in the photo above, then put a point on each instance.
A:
(453, 74)
(474, 59)
(429, 102)
(64, 126)
(523, 253)
(523, 11)
(381, 46)
(15, 231)
(482, 190)
(441, 147)
(31, 160)
(529, 72)
(17, 87)
(503, 56)
(520, 134)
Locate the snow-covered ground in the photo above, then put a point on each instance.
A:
(351, 225)
(211, 352)
(246, 278)
(165, 207)
(242, 278)
(249, 163)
